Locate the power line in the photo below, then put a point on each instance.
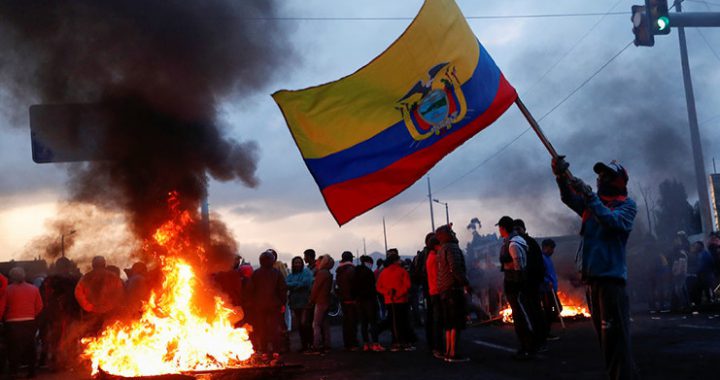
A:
(586, 81)
(567, 53)
(715, 53)
(403, 18)
(703, 34)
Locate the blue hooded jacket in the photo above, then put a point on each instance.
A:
(299, 284)
(605, 231)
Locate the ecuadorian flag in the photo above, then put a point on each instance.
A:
(369, 136)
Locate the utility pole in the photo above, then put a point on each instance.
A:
(364, 248)
(447, 213)
(700, 178)
(385, 234)
(432, 217)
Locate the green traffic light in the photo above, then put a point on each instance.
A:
(663, 23)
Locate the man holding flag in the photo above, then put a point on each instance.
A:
(607, 220)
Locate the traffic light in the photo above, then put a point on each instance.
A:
(641, 26)
(657, 14)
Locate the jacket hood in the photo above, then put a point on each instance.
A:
(325, 262)
(267, 259)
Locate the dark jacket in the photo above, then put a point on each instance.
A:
(605, 230)
(364, 284)
(344, 277)
(322, 286)
(299, 284)
(451, 267)
(269, 289)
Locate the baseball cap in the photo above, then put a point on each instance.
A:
(613, 168)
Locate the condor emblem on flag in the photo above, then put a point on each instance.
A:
(369, 136)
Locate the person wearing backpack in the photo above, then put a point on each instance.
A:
(534, 284)
(513, 263)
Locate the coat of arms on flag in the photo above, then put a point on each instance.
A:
(369, 136)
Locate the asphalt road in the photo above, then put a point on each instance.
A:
(666, 347)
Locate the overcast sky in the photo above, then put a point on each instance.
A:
(633, 110)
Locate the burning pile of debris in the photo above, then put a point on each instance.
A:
(175, 333)
(571, 309)
(134, 89)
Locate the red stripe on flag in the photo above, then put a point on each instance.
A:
(348, 199)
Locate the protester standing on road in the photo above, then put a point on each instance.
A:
(680, 300)
(62, 311)
(607, 220)
(100, 293)
(20, 310)
(513, 261)
(700, 277)
(453, 285)
(394, 284)
(366, 297)
(419, 278)
(535, 275)
(344, 279)
(269, 297)
(434, 305)
(299, 282)
(550, 303)
(320, 297)
(309, 257)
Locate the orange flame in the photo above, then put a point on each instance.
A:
(570, 309)
(173, 335)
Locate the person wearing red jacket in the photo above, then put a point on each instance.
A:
(434, 315)
(22, 304)
(394, 285)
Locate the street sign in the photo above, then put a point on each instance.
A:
(68, 132)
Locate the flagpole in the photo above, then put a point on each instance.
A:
(538, 131)
(432, 216)
(536, 127)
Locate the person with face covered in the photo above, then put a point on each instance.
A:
(299, 282)
(269, 296)
(607, 220)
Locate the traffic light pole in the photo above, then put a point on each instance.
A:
(700, 177)
(694, 19)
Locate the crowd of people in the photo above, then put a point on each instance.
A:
(685, 277)
(385, 299)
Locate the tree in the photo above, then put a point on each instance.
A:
(674, 212)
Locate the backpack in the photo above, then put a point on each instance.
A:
(418, 272)
(535, 263)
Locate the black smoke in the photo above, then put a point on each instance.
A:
(159, 71)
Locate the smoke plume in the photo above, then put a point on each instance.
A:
(158, 71)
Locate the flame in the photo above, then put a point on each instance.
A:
(173, 335)
(570, 309)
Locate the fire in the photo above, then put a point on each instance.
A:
(570, 309)
(173, 335)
